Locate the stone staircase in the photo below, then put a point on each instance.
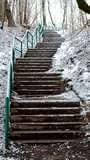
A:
(35, 118)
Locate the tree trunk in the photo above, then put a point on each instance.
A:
(1, 10)
(25, 13)
(8, 14)
(64, 23)
(72, 16)
(50, 14)
(43, 12)
(83, 6)
(20, 12)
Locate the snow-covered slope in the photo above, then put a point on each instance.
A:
(6, 39)
(74, 57)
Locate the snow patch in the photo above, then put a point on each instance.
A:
(74, 57)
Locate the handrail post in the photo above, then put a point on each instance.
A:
(13, 57)
(32, 41)
(27, 41)
(36, 35)
(7, 108)
(21, 48)
(39, 36)
(11, 74)
(7, 103)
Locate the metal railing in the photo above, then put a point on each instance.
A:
(29, 40)
(21, 46)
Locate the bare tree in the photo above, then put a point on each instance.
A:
(1, 9)
(43, 12)
(50, 13)
(64, 23)
(72, 16)
(25, 13)
(21, 12)
(8, 14)
(83, 6)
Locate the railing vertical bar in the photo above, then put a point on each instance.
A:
(36, 35)
(27, 40)
(39, 36)
(32, 41)
(7, 105)
(7, 120)
(21, 48)
(13, 57)
(11, 74)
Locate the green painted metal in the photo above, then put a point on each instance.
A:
(13, 57)
(21, 48)
(32, 39)
(6, 119)
(7, 104)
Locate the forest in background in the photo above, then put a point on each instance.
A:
(62, 13)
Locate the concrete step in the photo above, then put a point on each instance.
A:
(46, 50)
(51, 135)
(33, 78)
(39, 54)
(47, 126)
(44, 103)
(37, 47)
(48, 45)
(28, 67)
(40, 74)
(47, 118)
(37, 87)
(24, 64)
(51, 31)
(42, 83)
(53, 39)
(31, 70)
(45, 110)
(37, 82)
(39, 92)
(48, 141)
(38, 64)
(34, 60)
(51, 35)
(40, 50)
(35, 96)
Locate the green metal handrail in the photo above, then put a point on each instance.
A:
(7, 102)
(30, 39)
(37, 36)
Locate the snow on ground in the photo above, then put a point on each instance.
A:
(6, 39)
(66, 96)
(74, 57)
